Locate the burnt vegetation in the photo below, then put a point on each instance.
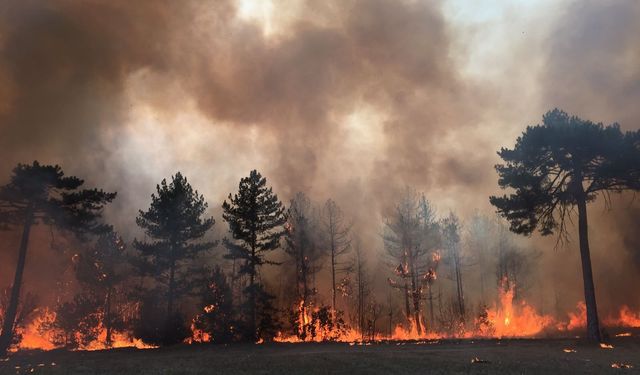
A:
(177, 283)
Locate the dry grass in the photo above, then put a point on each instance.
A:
(444, 357)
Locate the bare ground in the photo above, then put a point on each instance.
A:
(543, 356)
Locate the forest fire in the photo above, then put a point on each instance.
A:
(287, 180)
(507, 318)
(39, 335)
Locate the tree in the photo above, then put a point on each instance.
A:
(337, 235)
(255, 217)
(451, 236)
(176, 224)
(217, 316)
(480, 236)
(409, 239)
(77, 322)
(42, 194)
(362, 287)
(564, 163)
(302, 245)
(101, 270)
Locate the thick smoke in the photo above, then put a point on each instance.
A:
(593, 71)
(352, 100)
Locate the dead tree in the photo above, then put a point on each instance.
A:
(336, 231)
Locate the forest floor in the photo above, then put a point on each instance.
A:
(539, 356)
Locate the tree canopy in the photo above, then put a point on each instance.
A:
(43, 194)
(557, 163)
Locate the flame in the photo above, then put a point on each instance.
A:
(506, 318)
(509, 319)
(626, 318)
(36, 336)
(322, 333)
(621, 365)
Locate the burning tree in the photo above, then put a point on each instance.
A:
(565, 163)
(302, 245)
(255, 217)
(217, 320)
(410, 237)
(301, 238)
(338, 242)
(42, 194)
(101, 269)
(176, 224)
(363, 289)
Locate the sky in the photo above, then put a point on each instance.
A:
(352, 100)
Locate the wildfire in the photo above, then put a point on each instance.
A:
(505, 318)
(626, 318)
(512, 320)
(36, 335)
(321, 332)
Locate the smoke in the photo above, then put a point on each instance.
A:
(352, 100)
(593, 71)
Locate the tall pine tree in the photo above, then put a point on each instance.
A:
(176, 225)
(256, 218)
(559, 166)
(42, 194)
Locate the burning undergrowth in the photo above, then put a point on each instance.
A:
(507, 318)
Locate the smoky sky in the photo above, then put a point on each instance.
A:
(352, 100)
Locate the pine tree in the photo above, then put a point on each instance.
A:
(451, 237)
(302, 245)
(562, 164)
(43, 194)
(101, 269)
(256, 218)
(338, 242)
(176, 224)
(217, 318)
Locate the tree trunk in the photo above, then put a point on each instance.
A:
(431, 316)
(406, 300)
(107, 318)
(593, 327)
(252, 296)
(10, 315)
(415, 295)
(459, 289)
(333, 276)
(172, 273)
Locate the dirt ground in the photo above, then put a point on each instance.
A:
(546, 356)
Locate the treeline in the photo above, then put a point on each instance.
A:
(165, 289)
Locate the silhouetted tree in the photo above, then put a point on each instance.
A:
(451, 237)
(255, 217)
(301, 239)
(217, 318)
(101, 269)
(176, 224)
(77, 322)
(565, 163)
(43, 194)
(363, 288)
(338, 243)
